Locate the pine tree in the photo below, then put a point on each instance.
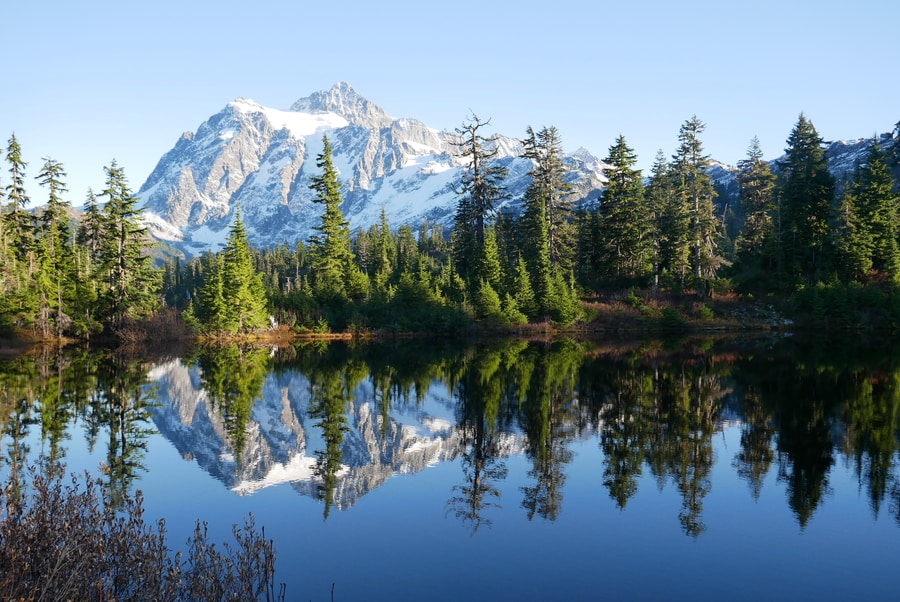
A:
(489, 269)
(211, 308)
(695, 192)
(479, 192)
(853, 240)
(807, 193)
(671, 248)
(407, 250)
(242, 284)
(536, 250)
(758, 238)
(56, 281)
(523, 293)
(129, 280)
(20, 228)
(86, 255)
(90, 230)
(869, 221)
(551, 187)
(22, 269)
(336, 274)
(384, 252)
(624, 226)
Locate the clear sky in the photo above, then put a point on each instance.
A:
(90, 81)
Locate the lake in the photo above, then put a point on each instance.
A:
(738, 468)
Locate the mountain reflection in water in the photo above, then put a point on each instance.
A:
(336, 422)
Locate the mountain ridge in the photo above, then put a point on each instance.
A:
(262, 160)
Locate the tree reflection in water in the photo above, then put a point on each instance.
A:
(652, 407)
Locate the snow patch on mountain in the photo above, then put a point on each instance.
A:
(263, 160)
(282, 438)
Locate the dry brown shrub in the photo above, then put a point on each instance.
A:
(61, 540)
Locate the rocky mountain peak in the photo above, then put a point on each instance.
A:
(343, 100)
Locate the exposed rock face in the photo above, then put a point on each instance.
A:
(281, 439)
(262, 159)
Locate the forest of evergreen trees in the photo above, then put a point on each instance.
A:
(825, 249)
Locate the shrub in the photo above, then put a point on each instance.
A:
(705, 312)
(63, 541)
(672, 319)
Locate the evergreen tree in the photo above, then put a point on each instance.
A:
(876, 189)
(20, 230)
(759, 235)
(489, 268)
(487, 303)
(536, 250)
(853, 240)
(870, 221)
(695, 192)
(807, 193)
(242, 285)
(210, 308)
(56, 280)
(336, 274)
(523, 293)
(590, 250)
(129, 280)
(86, 255)
(407, 250)
(624, 226)
(90, 231)
(384, 252)
(551, 188)
(479, 191)
(670, 223)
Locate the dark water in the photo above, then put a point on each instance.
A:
(508, 470)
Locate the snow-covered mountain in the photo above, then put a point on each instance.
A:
(282, 438)
(261, 159)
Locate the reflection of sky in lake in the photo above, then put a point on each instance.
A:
(399, 542)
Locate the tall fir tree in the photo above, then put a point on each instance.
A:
(869, 222)
(671, 242)
(88, 239)
(695, 192)
(129, 279)
(242, 284)
(852, 238)
(56, 282)
(807, 194)
(548, 232)
(336, 274)
(232, 297)
(479, 192)
(90, 230)
(757, 241)
(20, 226)
(624, 227)
(536, 251)
(550, 184)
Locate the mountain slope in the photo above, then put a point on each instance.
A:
(261, 159)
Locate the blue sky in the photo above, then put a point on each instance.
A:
(90, 81)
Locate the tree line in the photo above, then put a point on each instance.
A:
(65, 277)
(796, 233)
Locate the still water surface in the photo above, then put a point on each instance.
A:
(503, 470)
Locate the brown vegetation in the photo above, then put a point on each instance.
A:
(63, 541)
